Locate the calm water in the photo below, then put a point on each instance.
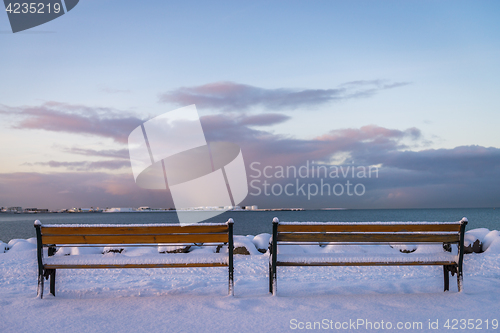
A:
(253, 223)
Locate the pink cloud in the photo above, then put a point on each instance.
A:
(70, 118)
(231, 96)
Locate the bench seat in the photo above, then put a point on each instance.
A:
(88, 241)
(147, 261)
(368, 244)
(374, 259)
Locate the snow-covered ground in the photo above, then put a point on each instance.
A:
(347, 299)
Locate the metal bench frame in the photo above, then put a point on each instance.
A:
(52, 236)
(446, 233)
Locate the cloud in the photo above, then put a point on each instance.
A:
(465, 176)
(72, 118)
(380, 84)
(85, 165)
(463, 160)
(460, 177)
(114, 153)
(264, 119)
(269, 148)
(77, 189)
(231, 96)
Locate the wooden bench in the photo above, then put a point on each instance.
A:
(56, 236)
(445, 233)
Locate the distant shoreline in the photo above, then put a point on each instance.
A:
(168, 211)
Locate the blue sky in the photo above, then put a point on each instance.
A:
(370, 73)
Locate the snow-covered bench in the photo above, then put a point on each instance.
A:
(57, 236)
(394, 233)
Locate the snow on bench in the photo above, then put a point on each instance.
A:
(94, 236)
(373, 259)
(339, 234)
(121, 261)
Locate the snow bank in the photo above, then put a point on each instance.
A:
(290, 249)
(206, 249)
(474, 240)
(352, 248)
(137, 251)
(404, 248)
(169, 248)
(491, 242)
(261, 242)
(78, 251)
(16, 245)
(478, 234)
(244, 245)
(480, 239)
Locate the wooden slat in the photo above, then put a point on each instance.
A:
(135, 239)
(137, 245)
(135, 230)
(368, 227)
(367, 237)
(98, 266)
(401, 263)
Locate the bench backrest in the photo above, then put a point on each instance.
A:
(434, 232)
(134, 234)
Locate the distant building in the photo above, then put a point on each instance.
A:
(36, 210)
(11, 209)
(119, 210)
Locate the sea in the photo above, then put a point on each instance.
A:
(13, 226)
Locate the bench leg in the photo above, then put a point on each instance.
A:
(231, 283)
(39, 291)
(273, 258)
(53, 282)
(273, 280)
(446, 272)
(230, 249)
(460, 280)
(270, 278)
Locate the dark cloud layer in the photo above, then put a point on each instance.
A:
(272, 149)
(466, 176)
(404, 180)
(77, 189)
(231, 96)
(114, 153)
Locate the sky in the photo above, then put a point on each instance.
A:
(407, 87)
